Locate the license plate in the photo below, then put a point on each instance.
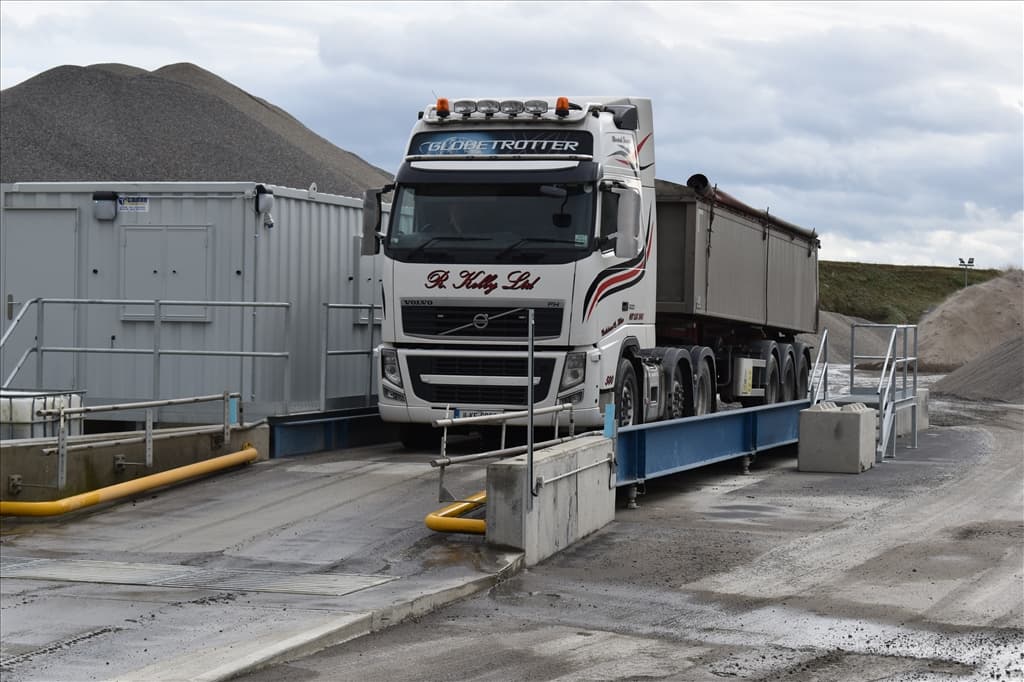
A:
(474, 413)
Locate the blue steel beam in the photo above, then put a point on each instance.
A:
(662, 448)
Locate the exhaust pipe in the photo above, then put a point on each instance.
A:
(701, 185)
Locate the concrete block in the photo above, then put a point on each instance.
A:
(904, 422)
(837, 440)
(580, 501)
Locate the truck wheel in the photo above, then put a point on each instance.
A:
(704, 392)
(771, 385)
(679, 396)
(419, 436)
(789, 384)
(803, 379)
(627, 394)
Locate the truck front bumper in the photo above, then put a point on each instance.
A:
(444, 383)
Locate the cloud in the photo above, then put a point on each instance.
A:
(878, 125)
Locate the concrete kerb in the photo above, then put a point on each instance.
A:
(209, 666)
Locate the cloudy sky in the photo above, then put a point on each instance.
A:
(894, 130)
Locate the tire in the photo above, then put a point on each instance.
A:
(627, 394)
(679, 394)
(704, 392)
(419, 437)
(788, 384)
(771, 385)
(803, 378)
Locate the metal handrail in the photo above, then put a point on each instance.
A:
(63, 413)
(893, 362)
(501, 417)
(325, 351)
(156, 351)
(822, 381)
(135, 406)
(17, 319)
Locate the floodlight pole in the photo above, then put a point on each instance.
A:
(965, 265)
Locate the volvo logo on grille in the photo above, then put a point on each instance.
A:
(480, 320)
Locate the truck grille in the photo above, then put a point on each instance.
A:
(458, 322)
(475, 394)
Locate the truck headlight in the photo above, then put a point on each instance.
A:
(389, 368)
(396, 396)
(575, 370)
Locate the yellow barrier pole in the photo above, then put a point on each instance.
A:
(119, 490)
(447, 520)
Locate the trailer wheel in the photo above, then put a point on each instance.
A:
(771, 385)
(803, 378)
(789, 384)
(704, 392)
(679, 397)
(419, 436)
(627, 394)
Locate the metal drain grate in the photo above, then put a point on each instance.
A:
(169, 575)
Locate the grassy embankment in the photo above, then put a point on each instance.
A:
(890, 294)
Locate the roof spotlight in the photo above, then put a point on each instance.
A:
(488, 107)
(536, 107)
(465, 107)
(512, 107)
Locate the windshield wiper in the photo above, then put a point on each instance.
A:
(524, 240)
(448, 238)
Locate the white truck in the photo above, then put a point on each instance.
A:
(656, 297)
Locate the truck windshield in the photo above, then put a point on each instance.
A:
(506, 223)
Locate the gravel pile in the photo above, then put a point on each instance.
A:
(996, 375)
(972, 322)
(177, 123)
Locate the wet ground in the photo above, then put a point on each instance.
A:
(913, 570)
(203, 580)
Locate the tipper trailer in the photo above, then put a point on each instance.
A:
(652, 296)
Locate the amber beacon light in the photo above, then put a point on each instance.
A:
(443, 110)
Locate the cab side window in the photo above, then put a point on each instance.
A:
(609, 217)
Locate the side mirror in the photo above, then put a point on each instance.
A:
(371, 220)
(627, 237)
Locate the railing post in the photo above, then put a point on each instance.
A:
(227, 418)
(529, 407)
(913, 414)
(369, 358)
(39, 345)
(853, 352)
(62, 450)
(149, 438)
(157, 320)
(825, 366)
(324, 321)
(892, 434)
(288, 357)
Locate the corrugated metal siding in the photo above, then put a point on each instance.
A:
(311, 256)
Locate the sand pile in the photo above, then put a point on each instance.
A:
(996, 375)
(179, 122)
(972, 322)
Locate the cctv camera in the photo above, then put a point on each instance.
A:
(268, 221)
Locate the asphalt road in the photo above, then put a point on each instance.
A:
(913, 570)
